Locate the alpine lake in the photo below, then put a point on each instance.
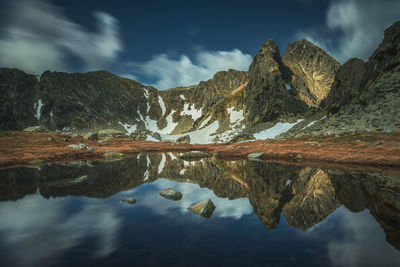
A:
(266, 214)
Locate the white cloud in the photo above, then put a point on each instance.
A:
(364, 243)
(39, 37)
(360, 24)
(37, 230)
(169, 72)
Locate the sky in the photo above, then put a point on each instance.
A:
(178, 43)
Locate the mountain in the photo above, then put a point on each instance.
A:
(304, 92)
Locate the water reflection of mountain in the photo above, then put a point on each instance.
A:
(305, 195)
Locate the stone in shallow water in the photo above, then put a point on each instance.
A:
(112, 155)
(203, 208)
(255, 155)
(32, 129)
(73, 146)
(171, 194)
(90, 136)
(129, 200)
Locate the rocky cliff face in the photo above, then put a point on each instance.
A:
(17, 97)
(364, 97)
(346, 86)
(313, 70)
(268, 96)
(93, 100)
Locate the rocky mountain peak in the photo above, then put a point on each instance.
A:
(268, 59)
(314, 67)
(267, 95)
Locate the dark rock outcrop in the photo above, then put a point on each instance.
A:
(387, 55)
(266, 96)
(313, 66)
(17, 100)
(346, 86)
(93, 100)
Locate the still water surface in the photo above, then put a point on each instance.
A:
(266, 214)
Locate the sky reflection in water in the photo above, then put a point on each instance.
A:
(77, 230)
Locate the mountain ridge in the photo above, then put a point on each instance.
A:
(299, 88)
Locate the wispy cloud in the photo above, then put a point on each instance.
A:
(359, 24)
(39, 37)
(168, 72)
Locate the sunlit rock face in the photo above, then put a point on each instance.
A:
(313, 204)
(314, 67)
(267, 96)
(17, 100)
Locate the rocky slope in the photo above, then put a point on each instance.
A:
(17, 96)
(364, 97)
(304, 92)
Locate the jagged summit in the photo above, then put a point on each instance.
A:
(313, 70)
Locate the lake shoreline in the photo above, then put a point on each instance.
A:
(375, 151)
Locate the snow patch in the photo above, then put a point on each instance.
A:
(191, 111)
(182, 97)
(288, 182)
(235, 116)
(146, 94)
(162, 105)
(146, 174)
(151, 138)
(162, 163)
(287, 86)
(312, 123)
(277, 129)
(172, 156)
(201, 136)
(170, 124)
(204, 122)
(128, 128)
(38, 107)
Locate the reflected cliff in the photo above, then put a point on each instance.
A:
(305, 196)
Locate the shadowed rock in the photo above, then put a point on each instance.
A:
(171, 194)
(266, 97)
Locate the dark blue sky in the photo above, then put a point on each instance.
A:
(154, 27)
(173, 43)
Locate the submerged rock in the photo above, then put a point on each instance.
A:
(194, 155)
(129, 200)
(203, 208)
(171, 194)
